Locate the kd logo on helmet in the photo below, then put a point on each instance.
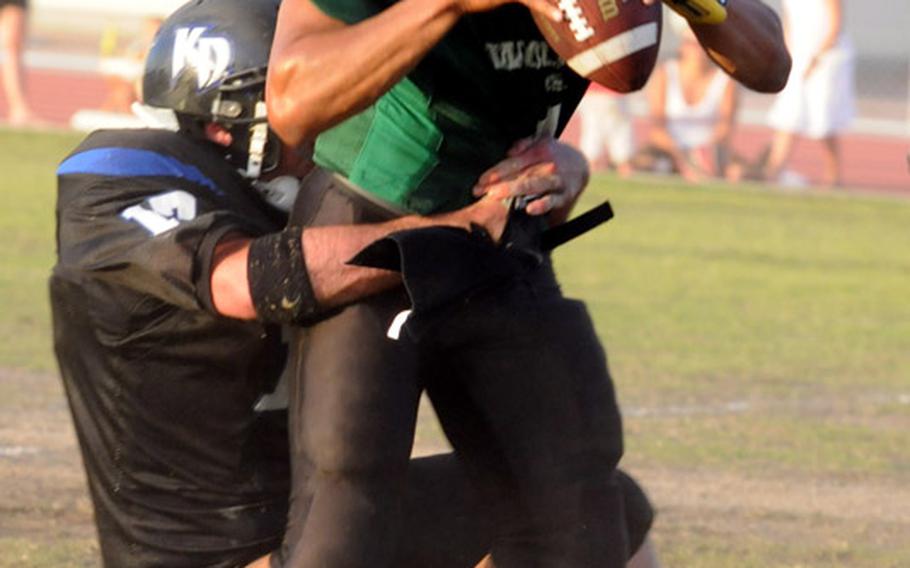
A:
(209, 57)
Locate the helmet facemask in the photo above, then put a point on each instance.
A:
(240, 107)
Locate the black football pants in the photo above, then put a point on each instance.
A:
(521, 387)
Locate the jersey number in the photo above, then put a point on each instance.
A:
(550, 123)
(162, 212)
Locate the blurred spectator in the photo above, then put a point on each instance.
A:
(692, 104)
(122, 65)
(606, 130)
(12, 31)
(818, 101)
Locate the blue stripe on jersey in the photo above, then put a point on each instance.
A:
(131, 162)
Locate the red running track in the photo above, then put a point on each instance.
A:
(870, 162)
(877, 163)
(55, 95)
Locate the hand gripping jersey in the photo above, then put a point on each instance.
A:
(490, 82)
(183, 470)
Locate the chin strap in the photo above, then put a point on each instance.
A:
(259, 135)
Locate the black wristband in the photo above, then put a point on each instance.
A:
(279, 283)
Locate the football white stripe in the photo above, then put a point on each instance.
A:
(614, 49)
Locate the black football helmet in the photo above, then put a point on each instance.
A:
(208, 63)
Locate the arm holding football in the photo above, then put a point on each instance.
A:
(324, 70)
(748, 43)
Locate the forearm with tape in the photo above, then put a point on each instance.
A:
(700, 11)
(278, 279)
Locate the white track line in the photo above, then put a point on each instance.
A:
(764, 405)
(17, 451)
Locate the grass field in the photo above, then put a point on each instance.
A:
(760, 342)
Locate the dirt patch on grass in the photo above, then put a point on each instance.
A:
(44, 503)
(723, 493)
(43, 498)
(42, 493)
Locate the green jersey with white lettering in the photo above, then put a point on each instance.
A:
(490, 82)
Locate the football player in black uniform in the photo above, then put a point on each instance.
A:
(174, 274)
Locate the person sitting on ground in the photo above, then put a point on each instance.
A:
(692, 106)
(607, 137)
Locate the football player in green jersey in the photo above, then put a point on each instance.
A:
(413, 102)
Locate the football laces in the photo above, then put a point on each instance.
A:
(578, 24)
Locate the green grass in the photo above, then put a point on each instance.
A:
(705, 292)
(793, 305)
(751, 333)
(786, 443)
(27, 225)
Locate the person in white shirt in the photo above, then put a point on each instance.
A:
(692, 106)
(607, 137)
(818, 101)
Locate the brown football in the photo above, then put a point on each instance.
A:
(612, 42)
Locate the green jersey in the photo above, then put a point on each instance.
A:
(491, 81)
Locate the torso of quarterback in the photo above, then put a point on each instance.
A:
(490, 82)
